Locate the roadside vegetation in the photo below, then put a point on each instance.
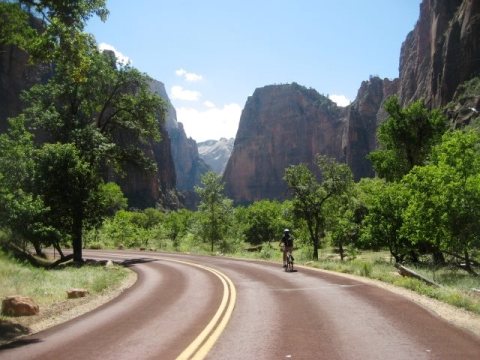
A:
(422, 210)
(50, 286)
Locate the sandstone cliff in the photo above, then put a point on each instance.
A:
(141, 188)
(16, 75)
(442, 51)
(363, 117)
(439, 63)
(281, 125)
(189, 167)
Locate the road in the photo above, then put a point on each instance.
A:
(198, 307)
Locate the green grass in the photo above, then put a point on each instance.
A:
(47, 287)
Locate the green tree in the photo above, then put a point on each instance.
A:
(405, 138)
(177, 224)
(215, 209)
(91, 115)
(88, 103)
(345, 215)
(264, 222)
(60, 166)
(310, 195)
(445, 207)
(15, 28)
(109, 199)
(382, 225)
(21, 209)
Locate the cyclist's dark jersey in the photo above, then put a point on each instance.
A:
(287, 239)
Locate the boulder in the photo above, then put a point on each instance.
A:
(76, 293)
(17, 305)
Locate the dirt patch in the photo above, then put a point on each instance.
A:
(14, 328)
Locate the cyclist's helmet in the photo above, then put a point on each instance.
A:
(286, 231)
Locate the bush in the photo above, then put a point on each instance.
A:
(267, 252)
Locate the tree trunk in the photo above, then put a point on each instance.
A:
(438, 258)
(38, 248)
(315, 248)
(77, 229)
(60, 261)
(468, 264)
(59, 249)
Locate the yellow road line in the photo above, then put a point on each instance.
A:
(202, 344)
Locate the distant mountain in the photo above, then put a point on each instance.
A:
(216, 153)
(281, 125)
(189, 167)
(288, 124)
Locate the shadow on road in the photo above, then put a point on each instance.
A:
(10, 331)
(19, 343)
(130, 262)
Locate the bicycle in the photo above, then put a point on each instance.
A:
(289, 267)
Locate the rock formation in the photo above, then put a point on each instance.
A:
(442, 51)
(189, 167)
(281, 125)
(142, 189)
(216, 153)
(363, 117)
(16, 75)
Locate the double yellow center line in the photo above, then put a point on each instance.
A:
(202, 344)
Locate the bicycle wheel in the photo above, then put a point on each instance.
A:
(289, 267)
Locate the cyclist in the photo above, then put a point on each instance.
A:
(286, 245)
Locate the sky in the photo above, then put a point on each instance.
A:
(212, 54)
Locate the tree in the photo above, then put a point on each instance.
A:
(405, 138)
(382, 226)
(90, 116)
(177, 224)
(445, 206)
(310, 195)
(21, 209)
(14, 25)
(264, 222)
(215, 209)
(346, 213)
(89, 104)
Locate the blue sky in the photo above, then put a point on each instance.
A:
(212, 54)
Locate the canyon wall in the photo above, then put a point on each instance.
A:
(281, 125)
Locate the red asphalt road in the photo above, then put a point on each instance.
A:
(302, 315)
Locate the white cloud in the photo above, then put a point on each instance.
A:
(209, 104)
(212, 123)
(121, 59)
(188, 75)
(340, 100)
(179, 93)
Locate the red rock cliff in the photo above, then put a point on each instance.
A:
(363, 117)
(141, 188)
(281, 125)
(442, 51)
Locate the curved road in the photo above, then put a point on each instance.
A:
(216, 308)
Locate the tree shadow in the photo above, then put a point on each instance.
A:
(18, 343)
(130, 262)
(10, 331)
